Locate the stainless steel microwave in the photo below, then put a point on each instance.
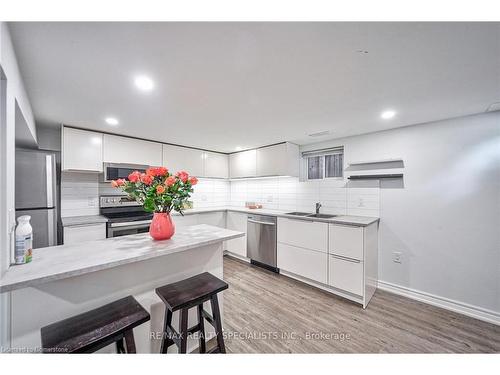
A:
(114, 171)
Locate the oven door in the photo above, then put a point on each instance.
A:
(116, 171)
(125, 229)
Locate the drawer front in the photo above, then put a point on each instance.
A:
(306, 263)
(78, 234)
(302, 233)
(346, 241)
(346, 275)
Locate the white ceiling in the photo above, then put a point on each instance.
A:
(222, 85)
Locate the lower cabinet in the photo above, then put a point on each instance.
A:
(237, 221)
(217, 219)
(346, 274)
(307, 263)
(82, 233)
(184, 221)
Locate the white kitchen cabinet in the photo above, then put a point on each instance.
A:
(217, 219)
(306, 263)
(184, 221)
(177, 158)
(278, 160)
(126, 150)
(243, 164)
(346, 274)
(81, 150)
(311, 235)
(216, 165)
(346, 241)
(81, 233)
(237, 221)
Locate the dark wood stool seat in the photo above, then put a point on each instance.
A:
(95, 329)
(184, 295)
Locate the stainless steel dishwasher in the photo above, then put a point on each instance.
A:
(261, 241)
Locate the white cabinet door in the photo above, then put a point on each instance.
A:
(346, 241)
(346, 275)
(216, 165)
(185, 221)
(302, 233)
(177, 158)
(131, 151)
(217, 219)
(243, 164)
(82, 233)
(81, 150)
(278, 160)
(303, 262)
(237, 221)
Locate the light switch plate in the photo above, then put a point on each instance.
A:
(396, 256)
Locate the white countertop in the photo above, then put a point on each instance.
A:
(59, 262)
(83, 220)
(340, 219)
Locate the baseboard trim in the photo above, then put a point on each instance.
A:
(476, 312)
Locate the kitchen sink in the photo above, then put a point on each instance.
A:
(308, 214)
(321, 216)
(298, 213)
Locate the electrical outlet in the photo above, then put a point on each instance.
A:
(269, 198)
(91, 202)
(396, 256)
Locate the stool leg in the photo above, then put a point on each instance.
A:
(129, 341)
(166, 340)
(183, 330)
(201, 321)
(218, 323)
(119, 346)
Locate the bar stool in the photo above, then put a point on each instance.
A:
(95, 329)
(182, 296)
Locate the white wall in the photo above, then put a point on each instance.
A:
(15, 95)
(446, 219)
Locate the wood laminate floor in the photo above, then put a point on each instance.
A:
(269, 313)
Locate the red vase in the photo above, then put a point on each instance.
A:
(162, 227)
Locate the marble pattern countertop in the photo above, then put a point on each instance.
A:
(360, 221)
(83, 220)
(60, 262)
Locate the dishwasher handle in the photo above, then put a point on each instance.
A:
(260, 222)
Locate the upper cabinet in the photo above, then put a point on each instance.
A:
(81, 150)
(177, 158)
(131, 151)
(243, 164)
(278, 160)
(216, 165)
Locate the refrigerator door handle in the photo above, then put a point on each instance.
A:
(51, 227)
(49, 170)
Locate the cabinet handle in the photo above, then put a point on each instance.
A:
(346, 258)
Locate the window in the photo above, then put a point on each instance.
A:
(322, 164)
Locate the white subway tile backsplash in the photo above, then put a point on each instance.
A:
(80, 193)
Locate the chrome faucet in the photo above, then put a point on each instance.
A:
(318, 206)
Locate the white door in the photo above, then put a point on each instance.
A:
(346, 274)
(131, 151)
(271, 161)
(81, 150)
(346, 241)
(177, 158)
(237, 221)
(82, 233)
(217, 219)
(243, 164)
(216, 165)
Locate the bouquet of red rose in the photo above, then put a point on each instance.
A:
(157, 190)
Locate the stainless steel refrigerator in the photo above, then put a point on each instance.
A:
(36, 194)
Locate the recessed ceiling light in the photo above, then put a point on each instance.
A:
(144, 83)
(238, 148)
(111, 121)
(386, 115)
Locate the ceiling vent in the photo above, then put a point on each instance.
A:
(319, 134)
(494, 107)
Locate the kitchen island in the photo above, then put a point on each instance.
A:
(67, 280)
